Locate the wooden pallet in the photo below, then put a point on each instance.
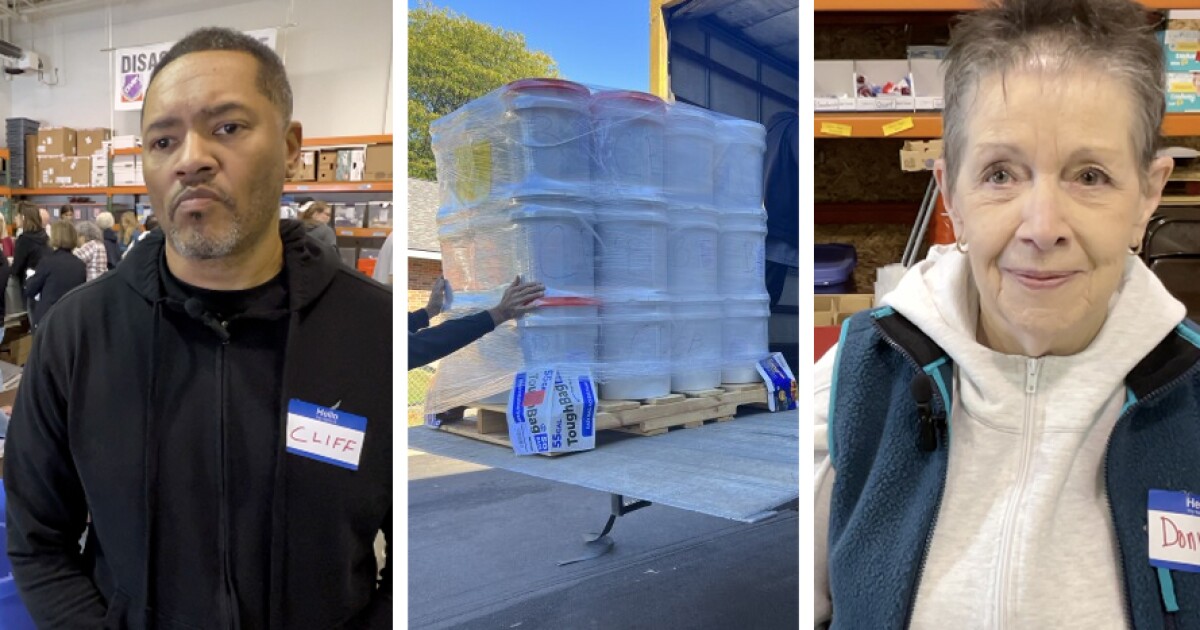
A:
(653, 416)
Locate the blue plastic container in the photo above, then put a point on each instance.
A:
(13, 615)
(834, 265)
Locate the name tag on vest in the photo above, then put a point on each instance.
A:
(326, 435)
(1174, 528)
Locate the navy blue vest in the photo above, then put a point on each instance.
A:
(891, 457)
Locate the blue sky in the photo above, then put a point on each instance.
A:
(598, 42)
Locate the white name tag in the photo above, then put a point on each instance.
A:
(1174, 528)
(326, 435)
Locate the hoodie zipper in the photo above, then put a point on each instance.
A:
(230, 600)
(937, 506)
(1008, 532)
(1108, 498)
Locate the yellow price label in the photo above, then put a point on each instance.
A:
(1186, 47)
(837, 129)
(893, 128)
(1182, 87)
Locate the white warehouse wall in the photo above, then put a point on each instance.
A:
(338, 57)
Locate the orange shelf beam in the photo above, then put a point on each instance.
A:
(338, 141)
(67, 191)
(870, 124)
(929, 124)
(337, 187)
(128, 190)
(958, 5)
(5, 191)
(4, 153)
(375, 232)
(335, 141)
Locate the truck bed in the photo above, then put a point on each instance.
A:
(744, 470)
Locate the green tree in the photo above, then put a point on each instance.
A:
(451, 61)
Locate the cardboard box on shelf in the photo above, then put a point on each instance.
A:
(49, 169)
(307, 169)
(8, 397)
(327, 156)
(21, 349)
(126, 142)
(99, 180)
(358, 159)
(919, 156)
(127, 170)
(833, 309)
(125, 163)
(90, 141)
(379, 163)
(77, 171)
(342, 172)
(56, 141)
(326, 171)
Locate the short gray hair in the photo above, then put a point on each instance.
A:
(1115, 36)
(104, 220)
(89, 231)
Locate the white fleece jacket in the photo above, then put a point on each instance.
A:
(1024, 537)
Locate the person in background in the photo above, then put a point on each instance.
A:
(6, 240)
(150, 224)
(781, 198)
(32, 244)
(130, 231)
(181, 403)
(67, 213)
(105, 221)
(5, 271)
(316, 216)
(91, 249)
(47, 222)
(383, 266)
(57, 273)
(428, 344)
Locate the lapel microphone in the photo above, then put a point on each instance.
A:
(195, 309)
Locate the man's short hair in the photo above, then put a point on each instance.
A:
(104, 220)
(63, 236)
(272, 76)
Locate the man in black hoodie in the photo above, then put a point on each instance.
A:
(220, 407)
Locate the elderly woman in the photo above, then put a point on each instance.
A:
(997, 428)
(91, 249)
(106, 222)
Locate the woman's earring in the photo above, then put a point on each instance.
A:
(961, 246)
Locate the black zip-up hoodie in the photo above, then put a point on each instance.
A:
(139, 415)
